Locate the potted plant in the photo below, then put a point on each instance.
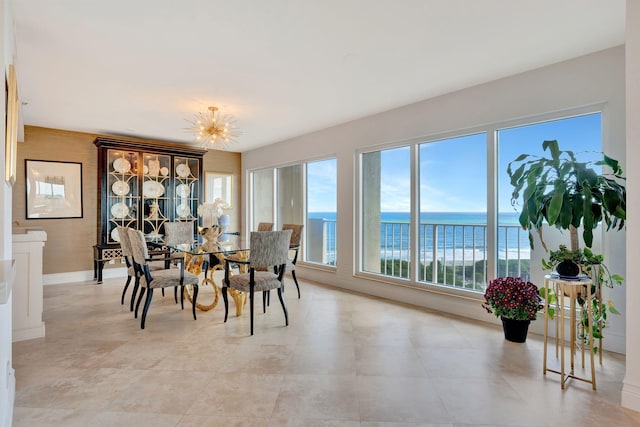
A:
(516, 302)
(591, 265)
(567, 193)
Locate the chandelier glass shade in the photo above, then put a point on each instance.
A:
(213, 129)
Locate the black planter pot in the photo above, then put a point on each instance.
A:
(568, 268)
(515, 330)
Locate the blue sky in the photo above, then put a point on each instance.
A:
(453, 171)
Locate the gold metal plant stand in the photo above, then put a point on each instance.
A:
(571, 289)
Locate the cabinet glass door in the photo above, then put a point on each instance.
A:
(156, 180)
(186, 188)
(121, 192)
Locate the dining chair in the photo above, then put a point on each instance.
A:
(265, 226)
(294, 247)
(266, 264)
(159, 278)
(178, 232)
(127, 253)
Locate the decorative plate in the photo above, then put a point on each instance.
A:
(183, 191)
(183, 170)
(152, 189)
(164, 171)
(119, 210)
(154, 167)
(120, 188)
(115, 236)
(121, 165)
(183, 210)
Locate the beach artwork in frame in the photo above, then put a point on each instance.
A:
(218, 186)
(54, 189)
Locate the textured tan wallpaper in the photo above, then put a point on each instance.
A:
(69, 245)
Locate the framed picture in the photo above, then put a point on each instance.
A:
(218, 186)
(11, 136)
(54, 189)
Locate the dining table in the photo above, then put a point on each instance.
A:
(204, 257)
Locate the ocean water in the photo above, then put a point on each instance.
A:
(459, 236)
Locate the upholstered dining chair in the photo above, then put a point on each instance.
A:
(265, 226)
(294, 247)
(127, 253)
(178, 232)
(267, 262)
(159, 278)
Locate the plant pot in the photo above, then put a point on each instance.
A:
(568, 268)
(515, 330)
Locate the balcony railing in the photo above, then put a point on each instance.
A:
(450, 254)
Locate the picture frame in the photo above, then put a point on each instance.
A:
(11, 135)
(53, 189)
(218, 185)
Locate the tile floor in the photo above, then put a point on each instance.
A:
(344, 360)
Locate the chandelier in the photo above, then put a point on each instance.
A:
(213, 129)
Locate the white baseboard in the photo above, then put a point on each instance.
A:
(82, 276)
(631, 396)
(28, 333)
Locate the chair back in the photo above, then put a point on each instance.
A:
(296, 233)
(265, 226)
(138, 247)
(179, 232)
(125, 244)
(269, 248)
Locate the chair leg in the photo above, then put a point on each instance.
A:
(284, 308)
(193, 300)
(293, 274)
(175, 293)
(163, 292)
(225, 298)
(265, 296)
(124, 291)
(251, 306)
(147, 303)
(181, 297)
(142, 289)
(136, 286)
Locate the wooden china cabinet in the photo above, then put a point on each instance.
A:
(142, 185)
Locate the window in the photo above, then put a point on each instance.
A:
(580, 134)
(262, 197)
(386, 211)
(286, 185)
(453, 211)
(289, 195)
(321, 212)
(456, 242)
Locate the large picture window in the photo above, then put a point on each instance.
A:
(286, 185)
(466, 230)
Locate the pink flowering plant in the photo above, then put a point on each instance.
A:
(512, 298)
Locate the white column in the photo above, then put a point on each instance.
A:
(631, 384)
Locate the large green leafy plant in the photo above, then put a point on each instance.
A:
(567, 193)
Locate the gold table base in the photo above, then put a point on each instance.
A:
(194, 265)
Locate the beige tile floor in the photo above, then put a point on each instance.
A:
(344, 360)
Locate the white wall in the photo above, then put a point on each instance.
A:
(587, 80)
(7, 386)
(631, 388)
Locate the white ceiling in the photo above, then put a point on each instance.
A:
(283, 68)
